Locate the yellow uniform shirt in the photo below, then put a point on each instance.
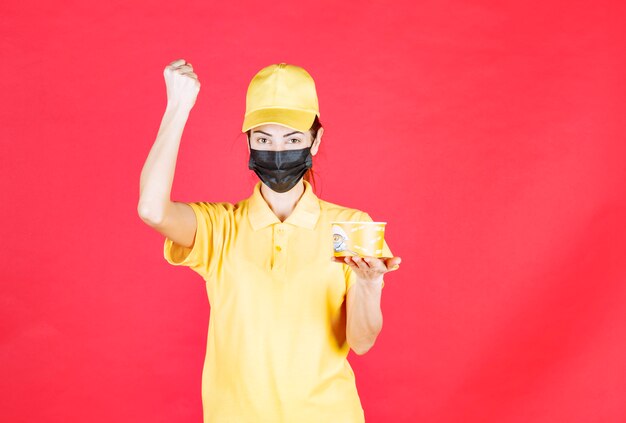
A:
(276, 346)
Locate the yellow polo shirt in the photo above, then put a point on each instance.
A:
(276, 346)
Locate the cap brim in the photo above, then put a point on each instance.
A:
(295, 119)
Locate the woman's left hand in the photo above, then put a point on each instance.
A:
(370, 269)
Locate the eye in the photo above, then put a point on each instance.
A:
(295, 139)
(262, 140)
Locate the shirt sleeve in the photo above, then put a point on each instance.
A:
(349, 273)
(202, 257)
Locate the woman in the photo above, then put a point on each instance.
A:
(284, 310)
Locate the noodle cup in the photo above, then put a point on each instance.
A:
(363, 239)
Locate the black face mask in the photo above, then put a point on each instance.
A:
(280, 170)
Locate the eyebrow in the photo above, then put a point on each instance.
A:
(286, 135)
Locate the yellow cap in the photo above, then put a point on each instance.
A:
(283, 94)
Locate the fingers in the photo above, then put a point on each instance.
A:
(366, 263)
(361, 262)
(393, 263)
(349, 260)
(191, 74)
(178, 62)
(183, 67)
(370, 263)
(375, 264)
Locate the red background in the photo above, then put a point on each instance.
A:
(487, 134)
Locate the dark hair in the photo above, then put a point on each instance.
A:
(315, 126)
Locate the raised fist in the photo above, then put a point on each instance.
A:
(182, 84)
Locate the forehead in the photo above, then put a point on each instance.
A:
(274, 129)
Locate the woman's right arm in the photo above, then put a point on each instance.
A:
(175, 220)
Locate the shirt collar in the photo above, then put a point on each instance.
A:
(305, 214)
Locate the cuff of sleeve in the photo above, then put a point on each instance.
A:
(178, 255)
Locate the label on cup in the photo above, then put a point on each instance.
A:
(358, 238)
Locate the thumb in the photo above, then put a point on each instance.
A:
(393, 263)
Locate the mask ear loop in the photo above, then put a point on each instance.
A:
(250, 158)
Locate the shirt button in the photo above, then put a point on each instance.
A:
(278, 248)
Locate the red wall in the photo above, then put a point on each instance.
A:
(485, 133)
